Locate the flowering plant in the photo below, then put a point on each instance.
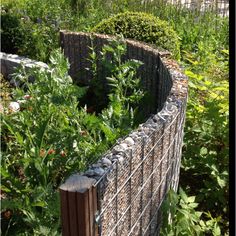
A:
(51, 137)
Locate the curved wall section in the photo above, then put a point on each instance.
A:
(133, 177)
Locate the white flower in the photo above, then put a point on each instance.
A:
(75, 144)
(21, 101)
(14, 106)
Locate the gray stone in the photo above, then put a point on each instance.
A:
(134, 135)
(129, 141)
(142, 133)
(124, 145)
(89, 172)
(109, 156)
(120, 148)
(106, 162)
(9, 62)
(98, 171)
(117, 156)
(149, 121)
(95, 171)
(77, 183)
(97, 165)
(121, 159)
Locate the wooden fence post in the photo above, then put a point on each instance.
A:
(78, 206)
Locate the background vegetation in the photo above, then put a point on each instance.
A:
(201, 207)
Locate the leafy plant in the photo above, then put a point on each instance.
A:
(181, 218)
(204, 170)
(204, 54)
(113, 75)
(52, 136)
(143, 27)
(206, 155)
(12, 33)
(125, 93)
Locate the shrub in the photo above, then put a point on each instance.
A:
(185, 218)
(143, 27)
(11, 33)
(41, 40)
(24, 37)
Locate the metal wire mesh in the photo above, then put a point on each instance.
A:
(133, 207)
(133, 188)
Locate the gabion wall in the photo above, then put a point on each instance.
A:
(10, 62)
(134, 176)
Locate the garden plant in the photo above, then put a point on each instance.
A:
(51, 136)
(31, 28)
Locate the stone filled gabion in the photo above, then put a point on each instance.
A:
(10, 62)
(134, 176)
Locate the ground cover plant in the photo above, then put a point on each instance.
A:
(51, 136)
(204, 57)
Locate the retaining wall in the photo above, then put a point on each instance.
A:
(121, 194)
(131, 180)
(9, 62)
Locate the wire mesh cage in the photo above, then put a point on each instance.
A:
(140, 168)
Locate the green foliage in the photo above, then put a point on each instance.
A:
(181, 217)
(114, 76)
(34, 28)
(143, 27)
(205, 153)
(206, 142)
(80, 6)
(31, 28)
(204, 54)
(47, 17)
(204, 173)
(11, 33)
(24, 37)
(41, 39)
(125, 93)
(52, 136)
(194, 28)
(5, 90)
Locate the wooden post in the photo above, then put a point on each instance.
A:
(78, 206)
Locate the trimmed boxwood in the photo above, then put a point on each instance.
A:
(142, 27)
